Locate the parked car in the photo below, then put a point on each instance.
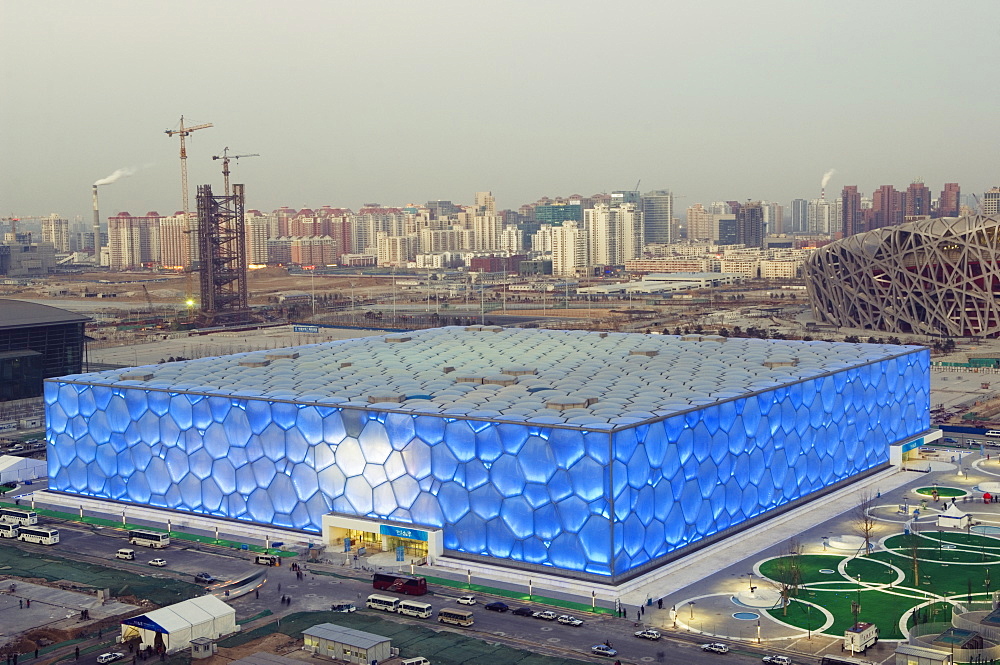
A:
(648, 634)
(547, 615)
(497, 606)
(715, 647)
(467, 600)
(569, 621)
(524, 612)
(603, 650)
(110, 657)
(777, 660)
(205, 578)
(343, 607)
(159, 563)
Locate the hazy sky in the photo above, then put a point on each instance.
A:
(405, 101)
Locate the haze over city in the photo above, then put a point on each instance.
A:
(393, 102)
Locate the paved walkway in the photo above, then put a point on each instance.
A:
(710, 605)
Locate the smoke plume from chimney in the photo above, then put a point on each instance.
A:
(114, 177)
(826, 178)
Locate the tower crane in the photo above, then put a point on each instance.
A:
(183, 133)
(225, 157)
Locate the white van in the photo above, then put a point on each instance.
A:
(419, 660)
(126, 554)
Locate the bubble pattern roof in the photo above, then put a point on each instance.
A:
(571, 378)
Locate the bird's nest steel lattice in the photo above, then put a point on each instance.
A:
(931, 277)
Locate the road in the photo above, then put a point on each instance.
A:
(316, 591)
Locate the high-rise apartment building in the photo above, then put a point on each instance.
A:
(750, 224)
(699, 223)
(133, 242)
(991, 201)
(852, 220)
(950, 201)
(56, 231)
(569, 248)
(616, 233)
(887, 207)
(799, 216)
(774, 217)
(658, 214)
(916, 201)
(175, 246)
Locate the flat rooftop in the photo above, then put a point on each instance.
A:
(575, 378)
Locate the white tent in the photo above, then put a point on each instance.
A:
(953, 518)
(14, 469)
(173, 627)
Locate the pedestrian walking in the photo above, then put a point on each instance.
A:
(20, 603)
(659, 604)
(76, 653)
(256, 593)
(36, 653)
(27, 603)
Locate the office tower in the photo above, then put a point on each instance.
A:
(949, 204)
(720, 208)
(725, 229)
(800, 215)
(442, 209)
(615, 233)
(621, 196)
(557, 213)
(991, 202)
(887, 207)
(851, 218)
(699, 223)
(917, 200)
(750, 224)
(658, 214)
(56, 231)
(569, 249)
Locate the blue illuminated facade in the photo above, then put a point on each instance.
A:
(608, 500)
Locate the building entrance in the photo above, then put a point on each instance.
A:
(379, 542)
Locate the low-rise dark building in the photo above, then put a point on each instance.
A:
(37, 342)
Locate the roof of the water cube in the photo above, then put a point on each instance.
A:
(576, 378)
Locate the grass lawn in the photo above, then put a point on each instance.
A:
(809, 567)
(943, 492)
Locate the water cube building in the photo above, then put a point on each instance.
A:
(584, 454)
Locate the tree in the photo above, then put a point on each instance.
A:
(787, 575)
(863, 520)
(913, 544)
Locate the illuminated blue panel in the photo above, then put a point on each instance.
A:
(599, 501)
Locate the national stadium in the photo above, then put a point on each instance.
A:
(588, 455)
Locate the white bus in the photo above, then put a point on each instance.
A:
(18, 516)
(155, 539)
(8, 530)
(456, 617)
(993, 433)
(38, 534)
(415, 608)
(384, 603)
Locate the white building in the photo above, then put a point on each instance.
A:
(569, 249)
(615, 234)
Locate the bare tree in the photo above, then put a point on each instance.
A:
(913, 543)
(787, 575)
(863, 520)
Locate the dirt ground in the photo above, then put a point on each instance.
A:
(278, 643)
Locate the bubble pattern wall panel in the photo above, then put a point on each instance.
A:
(593, 501)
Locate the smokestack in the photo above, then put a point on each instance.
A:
(97, 229)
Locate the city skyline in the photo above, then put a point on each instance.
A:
(398, 103)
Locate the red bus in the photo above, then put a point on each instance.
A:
(405, 584)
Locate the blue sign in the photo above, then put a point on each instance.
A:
(347, 544)
(398, 532)
(915, 443)
(305, 329)
(399, 553)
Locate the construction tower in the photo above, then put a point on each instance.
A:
(222, 246)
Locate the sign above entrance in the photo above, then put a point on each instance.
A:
(398, 532)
